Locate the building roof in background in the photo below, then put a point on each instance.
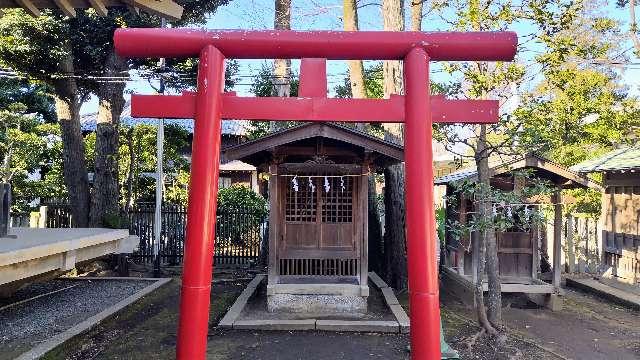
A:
(163, 8)
(544, 167)
(237, 165)
(229, 127)
(620, 159)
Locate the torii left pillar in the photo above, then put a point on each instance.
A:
(203, 195)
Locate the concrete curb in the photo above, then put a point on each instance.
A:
(59, 339)
(607, 292)
(81, 278)
(358, 326)
(309, 324)
(392, 302)
(400, 325)
(232, 315)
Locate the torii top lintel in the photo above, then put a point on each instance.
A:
(332, 45)
(315, 47)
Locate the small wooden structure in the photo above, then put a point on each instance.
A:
(318, 205)
(167, 9)
(518, 250)
(620, 215)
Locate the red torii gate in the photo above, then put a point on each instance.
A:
(416, 109)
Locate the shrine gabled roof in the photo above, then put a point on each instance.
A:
(255, 151)
(620, 159)
(545, 168)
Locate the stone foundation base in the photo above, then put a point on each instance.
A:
(317, 304)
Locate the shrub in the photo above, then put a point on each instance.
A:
(241, 212)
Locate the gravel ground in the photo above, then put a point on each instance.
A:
(32, 322)
(35, 289)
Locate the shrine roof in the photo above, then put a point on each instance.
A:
(258, 151)
(617, 160)
(543, 167)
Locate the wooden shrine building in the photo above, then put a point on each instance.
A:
(620, 215)
(318, 192)
(520, 250)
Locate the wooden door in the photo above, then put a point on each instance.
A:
(319, 218)
(515, 253)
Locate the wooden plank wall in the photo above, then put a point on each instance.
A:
(581, 245)
(621, 225)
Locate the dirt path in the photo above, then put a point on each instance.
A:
(587, 327)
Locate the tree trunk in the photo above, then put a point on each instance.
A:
(416, 15)
(356, 69)
(394, 234)
(478, 292)
(488, 235)
(104, 203)
(633, 26)
(393, 19)
(375, 229)
(75, 175)
(281, 67)
(395, 246)
(131, 170)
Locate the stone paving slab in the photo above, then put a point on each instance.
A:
(619, 296)
(359, 326)
(308, 324)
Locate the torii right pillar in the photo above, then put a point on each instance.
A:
(420, 212)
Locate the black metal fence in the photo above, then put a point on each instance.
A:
(239, 233)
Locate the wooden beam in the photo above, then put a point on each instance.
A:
(163, 8)
(274, 226)
(99, 7)
(65, 7)
(557, 238)
(29, 7)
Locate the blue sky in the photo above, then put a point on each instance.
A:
(326, 15)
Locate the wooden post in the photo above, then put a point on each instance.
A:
(274, 224)
(475, 250)
(535, 253)
(364, 213)
(571, 257)
(557, 238)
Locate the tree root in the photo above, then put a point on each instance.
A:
(474, 339)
